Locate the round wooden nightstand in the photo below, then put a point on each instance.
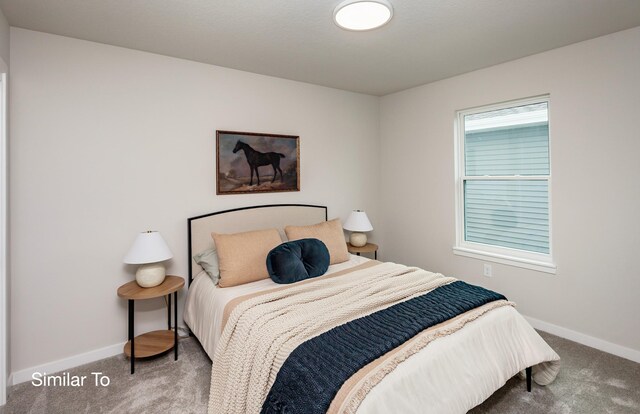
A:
(155, 342)
(367, 248)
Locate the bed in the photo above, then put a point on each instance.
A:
(448, 368)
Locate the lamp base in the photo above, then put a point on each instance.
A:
(150, 275)
(358, 239)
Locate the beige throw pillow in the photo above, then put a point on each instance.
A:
(242, 257)
(331, 234)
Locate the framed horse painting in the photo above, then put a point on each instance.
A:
(249, 162)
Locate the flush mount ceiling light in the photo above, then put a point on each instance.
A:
(362, 15)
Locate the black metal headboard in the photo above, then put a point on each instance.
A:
(201, 226)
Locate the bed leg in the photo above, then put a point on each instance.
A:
(528, 372)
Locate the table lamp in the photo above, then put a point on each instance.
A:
(357, 223)
(148, 250)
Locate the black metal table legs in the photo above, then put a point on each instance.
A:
(169, 311)
(175, 321)
(528, 372)
(175, 325)
(170, 305)
(131, 335)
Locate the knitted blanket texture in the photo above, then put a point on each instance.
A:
(263, 331)
(314, 372)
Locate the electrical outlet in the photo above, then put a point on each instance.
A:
(487, 270)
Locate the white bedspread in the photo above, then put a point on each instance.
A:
(450, 375)
(444, 376)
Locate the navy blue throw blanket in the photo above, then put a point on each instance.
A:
(314, 372)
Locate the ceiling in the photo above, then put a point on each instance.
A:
(426, 40)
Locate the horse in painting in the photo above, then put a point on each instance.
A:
(257, 159)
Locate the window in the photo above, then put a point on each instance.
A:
(503, 184)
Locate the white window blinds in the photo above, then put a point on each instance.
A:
(505, 177)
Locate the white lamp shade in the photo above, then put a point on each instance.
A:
(149, 247)
(357, 221)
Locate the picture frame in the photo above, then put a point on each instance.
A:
(250, 162)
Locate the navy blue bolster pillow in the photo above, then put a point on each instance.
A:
(297, 260)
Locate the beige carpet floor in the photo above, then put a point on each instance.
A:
(590, 381)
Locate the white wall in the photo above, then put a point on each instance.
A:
(595, 143)
(5, 366)
(107, 142)
(4, 43)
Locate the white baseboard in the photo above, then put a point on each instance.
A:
(112, 350)
(71, 362)
(587, 340)
(66, 363)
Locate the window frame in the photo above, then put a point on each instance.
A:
(520, 258)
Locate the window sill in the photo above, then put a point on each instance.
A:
(507, 260)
